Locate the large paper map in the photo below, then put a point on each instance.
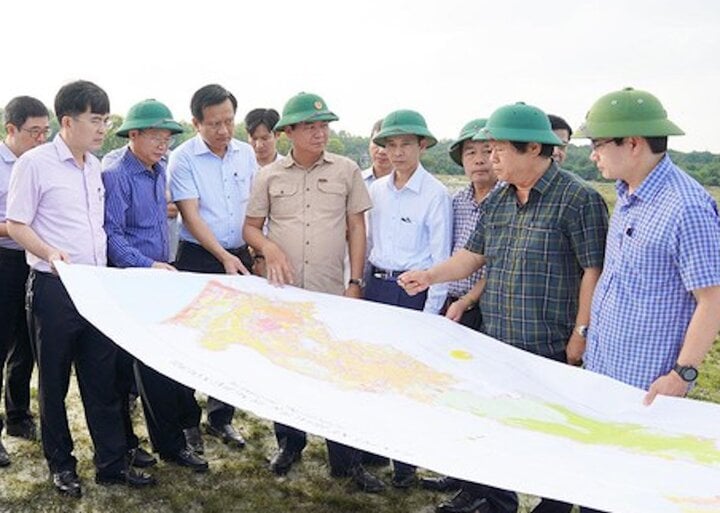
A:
(413, 386)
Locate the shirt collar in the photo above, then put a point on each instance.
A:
(415, 182)
(63, 151)
(7, 155)
(367, 173)
(200, 147)
(652, 184)
(547, 178)
(288, 161)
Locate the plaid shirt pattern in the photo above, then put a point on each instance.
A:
(663, 243)
(466, 212)
(536, 254)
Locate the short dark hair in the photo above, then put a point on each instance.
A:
(77, 97)
(377, 126)
(656, 144)
(22, 107)
(558, 123)
(207, 96)
(546, 150)
(257, 117)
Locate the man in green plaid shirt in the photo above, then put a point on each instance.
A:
(541, 237)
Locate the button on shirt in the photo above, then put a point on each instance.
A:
(535, 256)
(663, 243)
(411, 227)
(62, 203)
(306, 212)
(135, 212)
(7, 159)
(221, 186)
(466, 212)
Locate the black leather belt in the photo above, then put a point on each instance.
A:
(384, 274)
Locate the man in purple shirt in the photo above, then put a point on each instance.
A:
(26, 122)
(137, 232)
(55, 212)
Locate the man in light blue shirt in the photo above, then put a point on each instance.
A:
(411, 218)
(410, 226)
(210, 180)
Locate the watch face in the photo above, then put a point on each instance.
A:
(689, 374)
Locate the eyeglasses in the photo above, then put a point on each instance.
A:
(36, 132)
(229, 124)
(160, 141)
(105, 122)
(595, 144)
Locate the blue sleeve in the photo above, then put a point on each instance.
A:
(182, 183)
(698, 246)
(117, 202)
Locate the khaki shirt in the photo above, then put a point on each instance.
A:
(307, 211)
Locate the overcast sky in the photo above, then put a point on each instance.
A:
(450, 60)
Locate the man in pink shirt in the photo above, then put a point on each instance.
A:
(55, 212)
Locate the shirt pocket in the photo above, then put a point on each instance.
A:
(542, 243)
(650, 266)
(285, 200)
(332, 197)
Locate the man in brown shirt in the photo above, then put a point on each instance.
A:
(314, 204)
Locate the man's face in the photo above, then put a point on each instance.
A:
(560, 152)
(379, 157)
(309, 138)
(217, 126)
(476, 163)
(507, 162)
(263, 142)
(404, 152)
(87, 130)
(150, 145)
(32, 133)
(611, 160)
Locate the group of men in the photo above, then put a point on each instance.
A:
(523, 253)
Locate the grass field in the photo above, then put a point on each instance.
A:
(238, 481)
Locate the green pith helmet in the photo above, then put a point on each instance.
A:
(625, 113)
(404, 122)
(304, 107)
(149, 114)
(520, 123)
(469, 131)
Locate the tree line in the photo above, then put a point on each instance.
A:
(704, 166)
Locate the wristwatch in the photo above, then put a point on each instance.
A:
(357, 281)
(687, 372)
(582, 330)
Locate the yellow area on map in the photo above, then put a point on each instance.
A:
(697, 504)
(289, 334)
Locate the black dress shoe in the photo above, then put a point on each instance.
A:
(26, 429)
(283, 460)
(440, 484)
(67, 483)
(140, 458)
(193, 440)
(464, 502)
(404, 481)
(227, 434)
(365, 481)
(187, 458)
(4, 456)
(128, 477)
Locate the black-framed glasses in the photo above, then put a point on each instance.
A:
(599, 143)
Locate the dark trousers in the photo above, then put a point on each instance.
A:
(388, 292)
(342, 458)
(15, 347)
(64, 338)
(125, 384)
(194, 258)
(168, 406)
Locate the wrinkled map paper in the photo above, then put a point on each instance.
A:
(412, 386)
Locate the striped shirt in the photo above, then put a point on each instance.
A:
(7, 159)
(466, 212)
(536, 254)
(663, 243)
(135, 212)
